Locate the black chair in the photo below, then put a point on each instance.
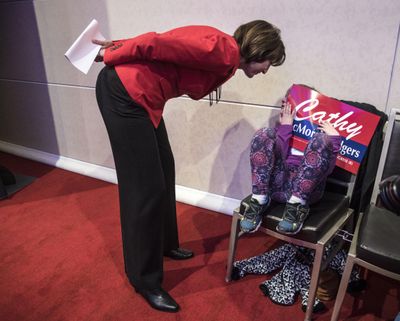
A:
(375, 243)
(326, 218)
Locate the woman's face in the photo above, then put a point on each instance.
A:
(253, 68)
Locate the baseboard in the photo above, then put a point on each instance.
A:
(184, 194)
(213, 202)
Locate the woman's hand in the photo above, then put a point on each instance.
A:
(104, 44)
(287, 114)
(328, 128)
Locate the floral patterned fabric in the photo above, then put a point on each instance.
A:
(280, 175)
(295, 274)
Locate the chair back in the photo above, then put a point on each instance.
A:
(341, 181)
(389, 163)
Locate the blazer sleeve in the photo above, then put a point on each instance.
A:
(196, 47)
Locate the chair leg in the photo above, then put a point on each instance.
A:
(312, 292)
(232, 246)
(342, 287)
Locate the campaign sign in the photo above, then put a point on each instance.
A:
(356, 126)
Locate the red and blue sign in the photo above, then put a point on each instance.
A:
(356, 126)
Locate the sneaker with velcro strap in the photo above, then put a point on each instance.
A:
(252, 217)
(293, 218)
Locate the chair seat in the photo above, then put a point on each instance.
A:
(375, 243)
(323, 215)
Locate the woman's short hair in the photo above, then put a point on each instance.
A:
(259, 41)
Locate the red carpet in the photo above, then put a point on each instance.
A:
(61, 259)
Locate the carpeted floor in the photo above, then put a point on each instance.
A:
(61, 259)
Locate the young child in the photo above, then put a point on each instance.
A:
(287, 175)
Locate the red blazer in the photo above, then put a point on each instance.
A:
(154, 67)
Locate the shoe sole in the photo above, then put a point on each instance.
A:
(289, 232)
(253, 230)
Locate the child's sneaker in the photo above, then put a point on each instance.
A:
(252, 216)
(293, 218)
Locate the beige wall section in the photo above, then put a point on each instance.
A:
(211, 150)
(346, 49)
(61, 120)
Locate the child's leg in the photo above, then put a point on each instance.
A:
(262, 159)
(318, 162)
(265, 163)
(307, 185)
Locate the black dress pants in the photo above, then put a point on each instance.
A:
(146, 181)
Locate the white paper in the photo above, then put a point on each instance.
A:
(83, 52)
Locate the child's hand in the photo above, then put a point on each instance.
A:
(287, 115)
(328, 129)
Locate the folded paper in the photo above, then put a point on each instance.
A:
(83, 51)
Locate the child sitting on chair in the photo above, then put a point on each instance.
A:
(287, 175)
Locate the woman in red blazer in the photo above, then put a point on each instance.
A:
(140, 75)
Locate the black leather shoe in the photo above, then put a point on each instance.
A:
(159, 300)
(179, 254)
